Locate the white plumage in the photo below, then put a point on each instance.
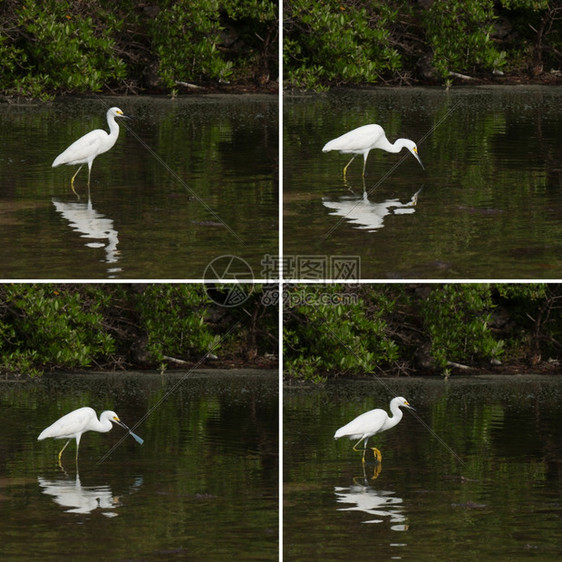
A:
(372, 422)
(363, 139)
(74, 424)
(92, 144)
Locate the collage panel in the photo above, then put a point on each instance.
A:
(139, 140)
(140, 422)
(421, 421)
(419, 144)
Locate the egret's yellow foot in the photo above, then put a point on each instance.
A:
(72, 185)
(377, 453)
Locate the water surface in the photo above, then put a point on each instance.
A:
(200, 181)
(488, 204)
(203, 486)
(501, 501)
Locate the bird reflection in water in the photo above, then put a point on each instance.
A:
(369, 215)
(96, 228)
(377, 504)
(76, 498)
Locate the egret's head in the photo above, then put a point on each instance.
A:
(412, 147)
(403, 403)
(116, 112)
(112, 417)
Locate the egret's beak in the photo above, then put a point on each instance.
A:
(138, 439)
(415, 153)
(119, 422)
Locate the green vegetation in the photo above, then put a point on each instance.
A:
(51, 47)
(342, 330)
(337, 42)
(457, 319)
(49, 326)
(459, 34)
(332, 42)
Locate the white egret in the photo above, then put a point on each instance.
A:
(92, 144)
(372, 422)
(363, 139)
(73, 425)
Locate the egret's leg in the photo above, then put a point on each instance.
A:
(60, 454)
(89, 173)
(72, 183)
(78, 437)
(363, 449)
(365, 156)
(347, 166)
(356, 444)
(376, 452)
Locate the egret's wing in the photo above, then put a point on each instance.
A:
(68, 425)
(368, 423)
(357, 140)
(82, 149)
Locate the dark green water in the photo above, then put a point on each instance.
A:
(203, 486)
(488, 202)
(502, 501)
(207, 187)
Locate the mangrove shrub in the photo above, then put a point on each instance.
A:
(380, 329)
(354, 42)
(51, 47)
(76, 326)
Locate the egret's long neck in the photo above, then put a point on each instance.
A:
(396, 415)
(398, 145)
(104, 425)
(113, 127)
